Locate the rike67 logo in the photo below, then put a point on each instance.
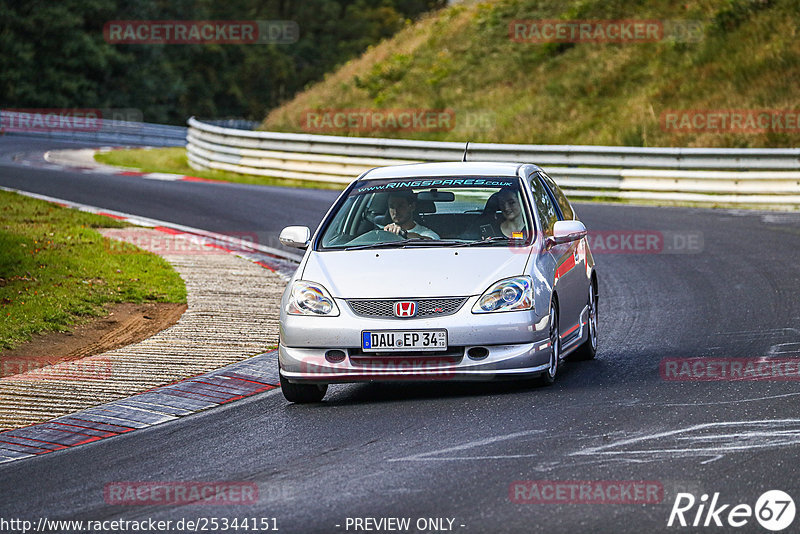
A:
(774, 510)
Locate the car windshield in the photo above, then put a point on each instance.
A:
(430, 212)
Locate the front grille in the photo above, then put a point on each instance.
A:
(453, 355)
(425, 307)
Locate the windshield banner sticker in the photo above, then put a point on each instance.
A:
(453, 182)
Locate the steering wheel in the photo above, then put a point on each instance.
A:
(403, 231)
(384, 234)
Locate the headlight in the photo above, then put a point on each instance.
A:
(309, 298)
(511, 294)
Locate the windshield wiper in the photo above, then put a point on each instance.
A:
(414, 242)
(383, 244)
(488, 241)
(431, 242)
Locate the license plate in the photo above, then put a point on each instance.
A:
(403, 340)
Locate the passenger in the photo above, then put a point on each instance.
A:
(402, 208)
(513, 222)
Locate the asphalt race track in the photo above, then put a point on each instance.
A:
(722, 284)
(221, 208)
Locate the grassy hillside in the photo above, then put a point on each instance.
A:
(747, 57)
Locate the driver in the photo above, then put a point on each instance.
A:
(402, 208)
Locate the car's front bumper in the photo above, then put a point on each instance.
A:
(517, 345)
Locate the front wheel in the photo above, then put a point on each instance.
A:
(549, 376)
(303, 393)
(588, 349)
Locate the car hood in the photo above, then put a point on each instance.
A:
(413, 272)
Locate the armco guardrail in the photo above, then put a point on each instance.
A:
(61, 125)
(715, 175)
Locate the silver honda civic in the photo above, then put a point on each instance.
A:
(438, 271)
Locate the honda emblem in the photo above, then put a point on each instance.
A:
(405, 309)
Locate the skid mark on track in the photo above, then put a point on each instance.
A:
(781, 218)
(737, 401)
(770, 333)
(784, 348)
(790, 218)
(788, 340)
(433, 455)
(707, 440)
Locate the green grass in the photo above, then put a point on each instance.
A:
(56, 271)
(461, 58)
(173, 160)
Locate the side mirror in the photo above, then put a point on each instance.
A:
(295, 236)
(566, 231)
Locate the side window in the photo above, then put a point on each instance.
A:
(563, 203)
(545, 208)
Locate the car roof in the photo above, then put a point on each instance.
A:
(454, 168)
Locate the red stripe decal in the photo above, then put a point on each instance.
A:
(565, 267)
(571, 330)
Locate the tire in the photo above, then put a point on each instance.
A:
(303, 393)
(549, 376)
(588, 349)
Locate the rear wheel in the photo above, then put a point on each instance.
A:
(588, 349)
(549, 376)
(303, 393)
